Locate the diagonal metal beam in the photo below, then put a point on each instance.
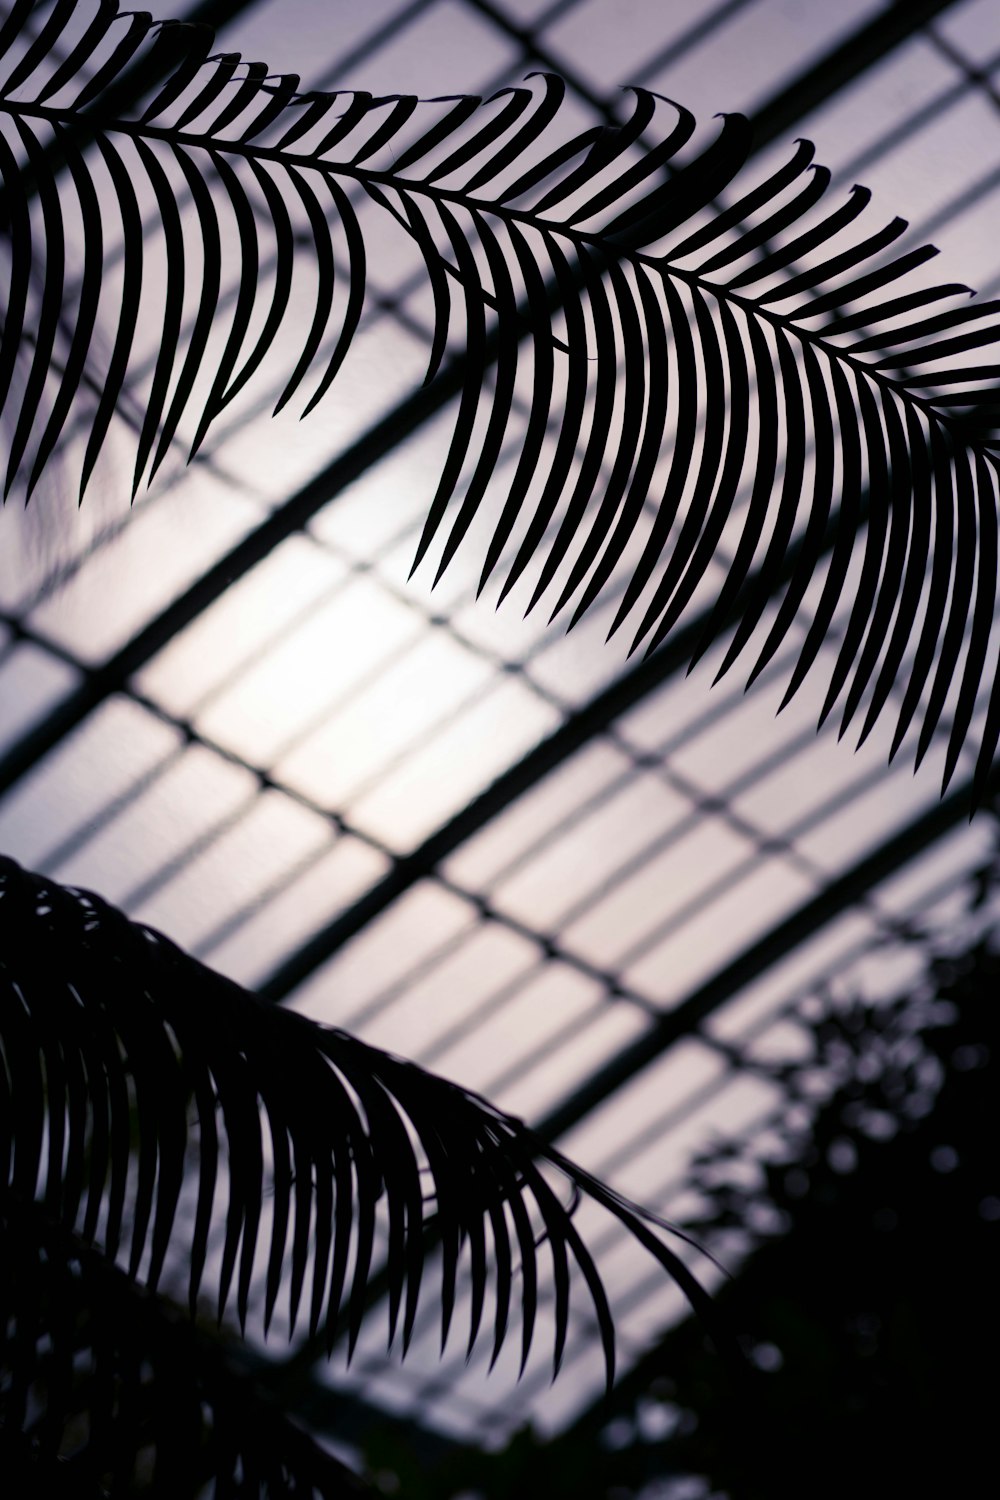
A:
(846, 891)
(111, 677)
(576, 730)
(861, 51)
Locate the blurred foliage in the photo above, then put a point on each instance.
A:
(871, 1316)
(867, 1308)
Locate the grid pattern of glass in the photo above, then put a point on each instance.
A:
(509, 853)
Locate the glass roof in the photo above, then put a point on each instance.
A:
(584, 885)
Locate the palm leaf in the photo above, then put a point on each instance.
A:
(107, 1384)
(777, 349)
(127, 1064)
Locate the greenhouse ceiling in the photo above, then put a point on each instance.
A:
(592, 887)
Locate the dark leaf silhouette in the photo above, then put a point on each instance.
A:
(113, 1390)
(125, 1061)
(778, 351)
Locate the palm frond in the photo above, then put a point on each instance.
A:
(774, 351)
(109, 1386)
(125, 1063)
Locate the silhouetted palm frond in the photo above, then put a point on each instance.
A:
(125, 1064)
(772, 349)
(109, 1389)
